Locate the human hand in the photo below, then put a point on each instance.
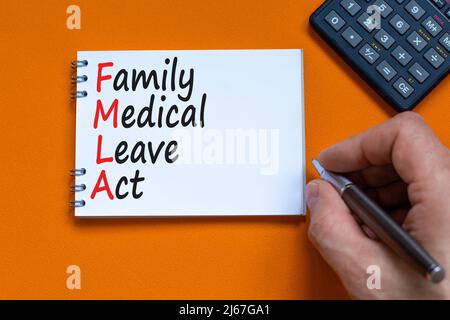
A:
(402, 165)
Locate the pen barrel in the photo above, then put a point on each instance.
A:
(389, 231)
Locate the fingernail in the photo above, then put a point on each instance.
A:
(312, 194)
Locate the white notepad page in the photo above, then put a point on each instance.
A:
(245, 155)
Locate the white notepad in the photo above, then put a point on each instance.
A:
(189, 133)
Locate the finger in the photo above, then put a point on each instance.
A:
(332, 229)
(391, 196)
(405, 141)
(374, 176)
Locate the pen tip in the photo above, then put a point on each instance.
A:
(318, 167)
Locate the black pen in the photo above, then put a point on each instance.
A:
(382, 225)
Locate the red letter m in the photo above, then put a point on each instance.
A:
(105, 116)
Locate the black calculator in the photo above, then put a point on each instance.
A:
(400, 47)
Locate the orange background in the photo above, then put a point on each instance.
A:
(224, 258)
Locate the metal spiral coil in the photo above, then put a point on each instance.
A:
(77, 203)
(77, 187)
(76, 94)
(78, 172)
(79, 79)
(79, 63)
(79, 94)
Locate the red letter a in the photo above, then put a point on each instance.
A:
(104, 187)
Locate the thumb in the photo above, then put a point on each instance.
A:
(333, 230)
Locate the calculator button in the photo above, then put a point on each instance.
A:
(399, 24)
(445, 41)
(352, 37)
(400, 1)
(439, 3)
(415, 10)
(432, 26)
(401, 55)
(448, 13)
(419, 72)
(368, 22)
(351, 7)
(417, 41)
(386, 70)
(403, 87)
(385, 9)
(434, 58)
(368, 53)
(335, 20)
(384, 38)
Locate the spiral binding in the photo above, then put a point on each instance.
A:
(77, 203)
(79, 79)
(75, 94)
(77, 188)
